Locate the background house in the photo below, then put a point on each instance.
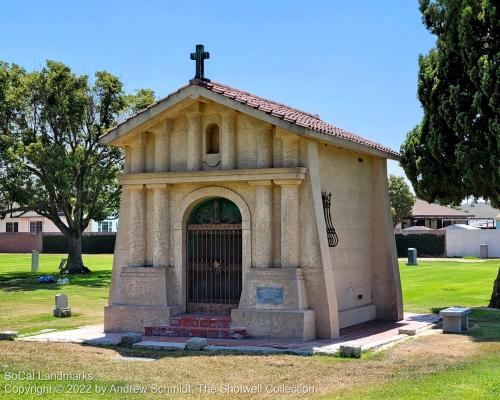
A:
(34, 223)
(435, 216)
(484, 213)
(31, 231)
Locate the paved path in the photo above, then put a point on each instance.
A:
(369, 335)
(91, 334)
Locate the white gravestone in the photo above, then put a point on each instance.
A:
(62, 309)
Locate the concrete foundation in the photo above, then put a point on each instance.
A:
(127, 318)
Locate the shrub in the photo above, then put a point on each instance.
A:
(91, 244)
(426, 244)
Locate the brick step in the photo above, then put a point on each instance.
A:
(214, 326)
(234, 332)
(201, 320)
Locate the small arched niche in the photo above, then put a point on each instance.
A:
(212, 139)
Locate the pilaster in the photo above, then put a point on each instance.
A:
(137, 225)
(289, 223)
(161, 224)
(228, 140)
(137, 152)
(194, 143)
(263, 224)
(162, 146)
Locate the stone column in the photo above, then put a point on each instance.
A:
(228, 140)
(194, 147)
(137, 152)
(289, 223)
(161, 224)
(137, 225)
(263, 225)
(162, 146)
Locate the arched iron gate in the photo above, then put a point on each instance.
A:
(214, 272)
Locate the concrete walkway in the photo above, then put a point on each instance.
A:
(367, 336)
(91, 334)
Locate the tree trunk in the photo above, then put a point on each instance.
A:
(495, 296)
(75, 262)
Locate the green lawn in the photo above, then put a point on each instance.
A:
(26, 306)
(431, 367)
(430, 286)
(433, 285)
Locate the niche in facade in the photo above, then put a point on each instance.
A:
(212, 139)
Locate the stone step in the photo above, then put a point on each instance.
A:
(234, 332)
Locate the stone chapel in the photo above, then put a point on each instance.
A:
(241, 216)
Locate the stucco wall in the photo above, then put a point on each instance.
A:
(350, 182)
(461, 243)
(286, 211)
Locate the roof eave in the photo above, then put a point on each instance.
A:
(195, 91)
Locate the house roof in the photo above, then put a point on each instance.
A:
(302, 122)
(481, 210)
(423, 209)
(460, 226)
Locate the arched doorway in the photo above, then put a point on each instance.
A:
(214, 256)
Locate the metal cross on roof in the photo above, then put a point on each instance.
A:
(200, 56)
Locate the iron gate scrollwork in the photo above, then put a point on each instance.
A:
(333, 239)
(214, 275)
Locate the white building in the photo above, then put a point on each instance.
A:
(34, 223)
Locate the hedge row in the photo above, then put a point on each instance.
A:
(91, 244)
(426, 244)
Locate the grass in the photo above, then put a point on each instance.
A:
(26, 306)
(434, 285)
(432, 367)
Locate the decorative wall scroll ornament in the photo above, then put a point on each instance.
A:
(333, 239)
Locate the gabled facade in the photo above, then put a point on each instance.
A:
(225, 210)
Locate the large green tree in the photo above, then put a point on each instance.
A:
(401, 198)
(51, 161)
(455, 151)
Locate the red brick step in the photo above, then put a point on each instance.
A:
(215, 326)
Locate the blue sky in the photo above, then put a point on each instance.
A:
(352, 62)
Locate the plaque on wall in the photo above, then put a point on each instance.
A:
(269, 295)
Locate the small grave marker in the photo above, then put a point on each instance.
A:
(62, 309)
(412, 256)
(34, 261)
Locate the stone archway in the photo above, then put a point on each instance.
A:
(179, 228)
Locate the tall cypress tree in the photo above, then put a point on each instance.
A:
(455, 151)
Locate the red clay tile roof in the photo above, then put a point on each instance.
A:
(278, 110)
(297, 117)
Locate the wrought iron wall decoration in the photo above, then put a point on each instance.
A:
(333, 239)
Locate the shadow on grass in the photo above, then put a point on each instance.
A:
(26, 281)
(485, 325)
